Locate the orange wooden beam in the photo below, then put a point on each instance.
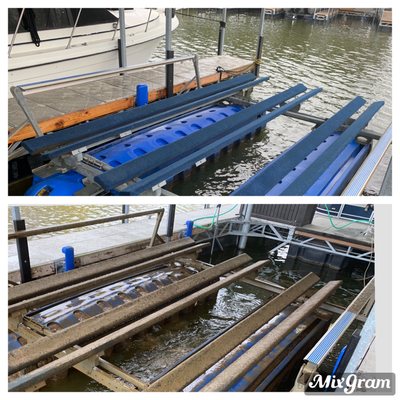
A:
(76, 117)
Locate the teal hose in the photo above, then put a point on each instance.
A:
(345, 225)
(210, 226)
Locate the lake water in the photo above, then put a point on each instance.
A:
(345, 57)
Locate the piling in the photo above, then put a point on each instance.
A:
(122, 39)
(169, 68)
(260, 43)
(221, 36)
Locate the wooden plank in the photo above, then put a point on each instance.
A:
(74, 118)
(333, 240)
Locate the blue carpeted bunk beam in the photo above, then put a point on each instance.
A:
(299, 169)
(187, 162)
(136, 118)
(188, 145)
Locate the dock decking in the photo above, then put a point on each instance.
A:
(44, 250)
(60, 108)
(386, 19)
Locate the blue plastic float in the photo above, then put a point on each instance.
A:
(130, 148)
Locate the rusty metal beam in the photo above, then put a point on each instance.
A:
(100, 324)
(235, 370)
(64, 363)
(55, 282)
(191, 368)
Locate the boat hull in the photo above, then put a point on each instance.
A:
(102, 60)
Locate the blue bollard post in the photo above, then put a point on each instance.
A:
(142, 95)
(189, 229)
(69, 258)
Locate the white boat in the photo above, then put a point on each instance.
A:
(49, 43)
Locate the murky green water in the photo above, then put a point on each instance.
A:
(344, 57)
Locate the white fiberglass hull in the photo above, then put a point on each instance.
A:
(102, 60)
(94, 48)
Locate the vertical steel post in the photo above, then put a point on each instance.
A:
(171, 221)
(122, 39)
(260, 43)
(221, 36)
(169, 69)
(246, 226)
(125, 210)
(215, 232)
(22, 246)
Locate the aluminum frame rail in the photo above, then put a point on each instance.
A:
(204, 140)
(112, 126)
(318, 353)
(269, 176)
(288, 234)
(361, 178)
(34, 87)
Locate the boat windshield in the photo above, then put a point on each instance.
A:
(40, 19)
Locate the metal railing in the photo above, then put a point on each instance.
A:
(73, 29)
(19, 91)
(97, 221)
(15, 33)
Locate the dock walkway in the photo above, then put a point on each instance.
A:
(67, 106)
(43, 250)
(357, 234)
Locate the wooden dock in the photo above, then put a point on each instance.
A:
(68, 106)
(386, 19)
(356, 235)
(358, 12)
(325, 14)
(272, 12)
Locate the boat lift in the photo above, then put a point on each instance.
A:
(143, 149)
